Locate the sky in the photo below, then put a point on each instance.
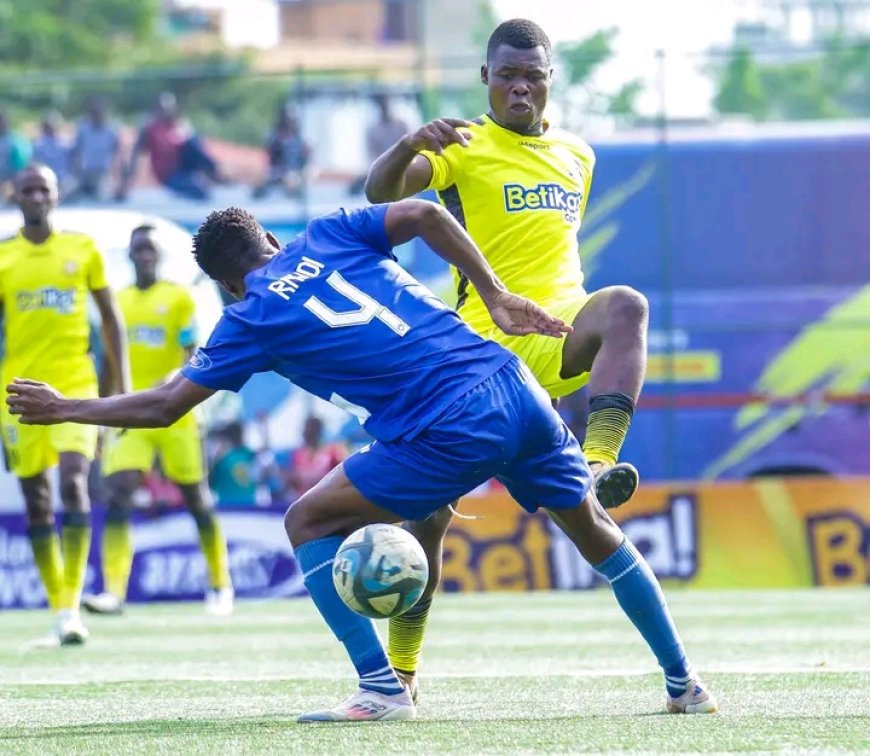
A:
(684, 29)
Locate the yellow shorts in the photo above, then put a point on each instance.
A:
(179, 447)
(33, 449)
(543, 354)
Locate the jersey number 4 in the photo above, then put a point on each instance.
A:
(366, 311)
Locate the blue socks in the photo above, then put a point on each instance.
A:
(640, 596)
(356, 632)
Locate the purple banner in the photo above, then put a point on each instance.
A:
(168, 565)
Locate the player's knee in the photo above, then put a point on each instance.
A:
(627, 308)
(299, 522)
(74, 492)
(38, 506)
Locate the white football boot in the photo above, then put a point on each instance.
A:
(219, 602)
(366, 706)
(696, 700)
(103, 603)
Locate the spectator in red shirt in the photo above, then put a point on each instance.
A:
(314, 459)
(178, 157)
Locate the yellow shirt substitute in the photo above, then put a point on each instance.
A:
(521, 198)
(160, 327)
(44, 290)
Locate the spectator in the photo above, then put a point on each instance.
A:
(52, 149)
(95, 152)
(233, 475)
(14, 155)
(289, 156)
(178, 157)
(380, 136)
(314, 459)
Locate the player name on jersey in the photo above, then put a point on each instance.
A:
(289, 283)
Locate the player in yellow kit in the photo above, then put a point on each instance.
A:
(161, 335)
(45, 278)
(519, 186)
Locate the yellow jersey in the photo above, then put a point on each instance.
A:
(160, 327)
(521, 198)
(44, 291)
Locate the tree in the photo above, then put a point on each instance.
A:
(740, 88)
(63, 34)
(578, 62)
(834, 83)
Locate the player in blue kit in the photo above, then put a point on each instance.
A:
(334, 313)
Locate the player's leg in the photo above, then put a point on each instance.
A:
(181, 455)
(609, 343)
(601, 542)
(405, 640)
(551, 471)
(117, 551)
(127, 455)
(220, 595)
(29, 455)
(75, 539)
(43, 536)
(316, 525)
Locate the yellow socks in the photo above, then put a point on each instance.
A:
(76, 539)
(214, 548)
(49, 561)
(607, 426)
(117, 552)
(406, 637)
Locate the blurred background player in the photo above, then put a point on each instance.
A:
(159, 316)
(520, 186)
(45, 276)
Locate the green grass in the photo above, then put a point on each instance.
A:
(503, 673)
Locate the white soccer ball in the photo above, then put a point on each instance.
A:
(380, 571)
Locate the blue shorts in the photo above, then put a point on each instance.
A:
(504, 428)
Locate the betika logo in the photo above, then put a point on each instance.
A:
(543, 197)
(48, 298)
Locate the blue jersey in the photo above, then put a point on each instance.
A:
(334, 313)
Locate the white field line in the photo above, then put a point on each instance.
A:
(718, 669)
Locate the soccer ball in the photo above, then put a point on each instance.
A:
(380, 571)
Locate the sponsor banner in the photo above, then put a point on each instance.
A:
(767, 533)
(168, 564)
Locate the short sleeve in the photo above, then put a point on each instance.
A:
(231, 356)
(96, 268)
(186, 320)
(446, 167)
(368, 224)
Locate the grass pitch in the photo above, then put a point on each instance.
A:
(556, 672)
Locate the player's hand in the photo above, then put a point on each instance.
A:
(518, 316)
(34, 402)
(438, 134)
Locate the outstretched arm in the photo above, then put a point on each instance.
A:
(40, 404)
(430, 222)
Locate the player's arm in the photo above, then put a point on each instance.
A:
(40, 404)
(430, 222)
(115, 340)
(401, 171)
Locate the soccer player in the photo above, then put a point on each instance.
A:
(519, 186)
(161, 337)
(334, 313)
(45, 278)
